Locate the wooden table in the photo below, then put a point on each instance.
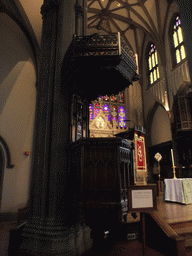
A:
(178, 190)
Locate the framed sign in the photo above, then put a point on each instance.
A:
(142, 198)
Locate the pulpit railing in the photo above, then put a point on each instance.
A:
(107, 58)
(96, 45)
(104, 45)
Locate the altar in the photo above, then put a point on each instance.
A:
(178, 190)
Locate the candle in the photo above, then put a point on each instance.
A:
(172, 157)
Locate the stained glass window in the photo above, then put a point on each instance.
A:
(91, 112)
(122, 117)
(111, 106)
(106, 111)
(121, 97)
(179, 47)
(114, 113)
(97, 109)
(106, 97)
(153, 64)
(113, 98)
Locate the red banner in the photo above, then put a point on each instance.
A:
(140, 153)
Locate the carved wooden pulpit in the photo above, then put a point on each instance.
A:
(104, 167)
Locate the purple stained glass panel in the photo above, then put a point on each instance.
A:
(106, 111)
(122, 117)
(114, 113)
(90, 112)
(106, 97)
(97, 108)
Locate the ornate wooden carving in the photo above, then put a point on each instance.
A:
(100, 61)
(104, 168)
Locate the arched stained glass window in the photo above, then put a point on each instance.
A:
(91, 112)
(178, 41)
(153, 64)
(97, 109)
(106, 111)
(122, 117)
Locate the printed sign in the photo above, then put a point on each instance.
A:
(142, 198)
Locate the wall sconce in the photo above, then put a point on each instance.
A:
(26, 153)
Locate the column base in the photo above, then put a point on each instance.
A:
(72, 241)
(83, 241)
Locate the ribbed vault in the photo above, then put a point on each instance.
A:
(134, 19)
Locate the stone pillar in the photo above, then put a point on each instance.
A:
(185, 7)
(49, 229)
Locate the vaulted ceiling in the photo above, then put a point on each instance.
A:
(134, 19)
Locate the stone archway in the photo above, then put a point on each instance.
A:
(2, 167)
(5, 163)
(159, 136)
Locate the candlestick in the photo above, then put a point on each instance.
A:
(174, 172)
(172, 157)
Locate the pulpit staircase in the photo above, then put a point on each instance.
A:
(184, 231)
(173, 237)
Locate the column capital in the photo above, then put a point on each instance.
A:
(50, 5)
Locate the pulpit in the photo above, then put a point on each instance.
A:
(104, 170)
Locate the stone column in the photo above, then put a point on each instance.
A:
(49, 229)
(185, 7)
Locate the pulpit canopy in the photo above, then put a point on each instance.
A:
(99, 65)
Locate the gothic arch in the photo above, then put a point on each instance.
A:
(5, 162)
(182, 107)
(8, 17)
(149, 121)
(6, 153)
(171, 41)
(154, 67)
(25, 30)
(185, 86)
